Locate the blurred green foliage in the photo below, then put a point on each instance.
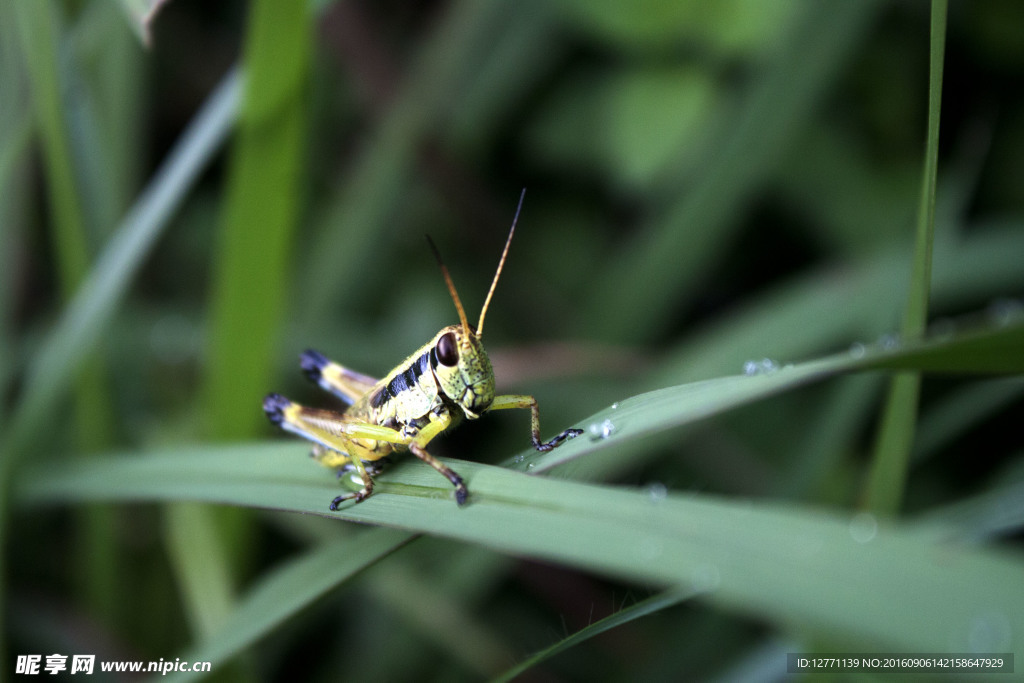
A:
(190, 198)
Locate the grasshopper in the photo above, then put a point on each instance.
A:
(442, 382)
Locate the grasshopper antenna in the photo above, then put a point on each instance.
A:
(451, 288)
(501, 264)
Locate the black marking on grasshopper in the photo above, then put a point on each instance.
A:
(405, 380)
(380, 397)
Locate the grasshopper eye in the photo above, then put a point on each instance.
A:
(447, 350)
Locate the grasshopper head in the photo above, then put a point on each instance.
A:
(459, 361)
(463, 370)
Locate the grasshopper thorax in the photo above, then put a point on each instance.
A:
(463, 370)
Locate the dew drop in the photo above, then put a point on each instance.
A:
(765, 366)
(601, 430)
(889, 341)
(863, 527)
(657, 492)
(857, 350)
(615, 405)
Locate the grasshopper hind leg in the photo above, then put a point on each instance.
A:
(365, 475)
(336, 443)
(365, 470)
(358, 476)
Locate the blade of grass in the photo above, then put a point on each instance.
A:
(956, 414)
(287, 589)
(843, 415)
(778, 323)
(674, 250)
(250, 274)
(652, 604)
(16, 129)
(463, 636)
(986, 350)
(342, 260)
(78, 329)
(788, 564)
(39, 26)
(820, 570)
(102, 109)
(80, 325)
(54, 83)
(998, 511)
(141, 14)
(197, 554)
(263, 204)
(40, 29)
(888, 473)
(108, 113)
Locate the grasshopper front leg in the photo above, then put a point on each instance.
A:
(522, 401)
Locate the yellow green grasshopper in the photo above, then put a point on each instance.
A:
(429, 392)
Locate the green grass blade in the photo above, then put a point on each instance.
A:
(955, 415)
(916, 315)
(788, 564)
(996, 350)
(284, 591)
(53, 83)
(262, 210)
(79, 327)
(50, 83)
(76, 333)
(141, 14)
(196, 552)
(250, 273)
(997, 512)
(673, 251)
(819, 568)
(16, 127)
(888, 473)
(624, 616)
(439, 615)
(797, 318)
(39, 28)
(343, 260)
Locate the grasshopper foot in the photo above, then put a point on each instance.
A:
(312, 363)
(567, 434)
(274, 406)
